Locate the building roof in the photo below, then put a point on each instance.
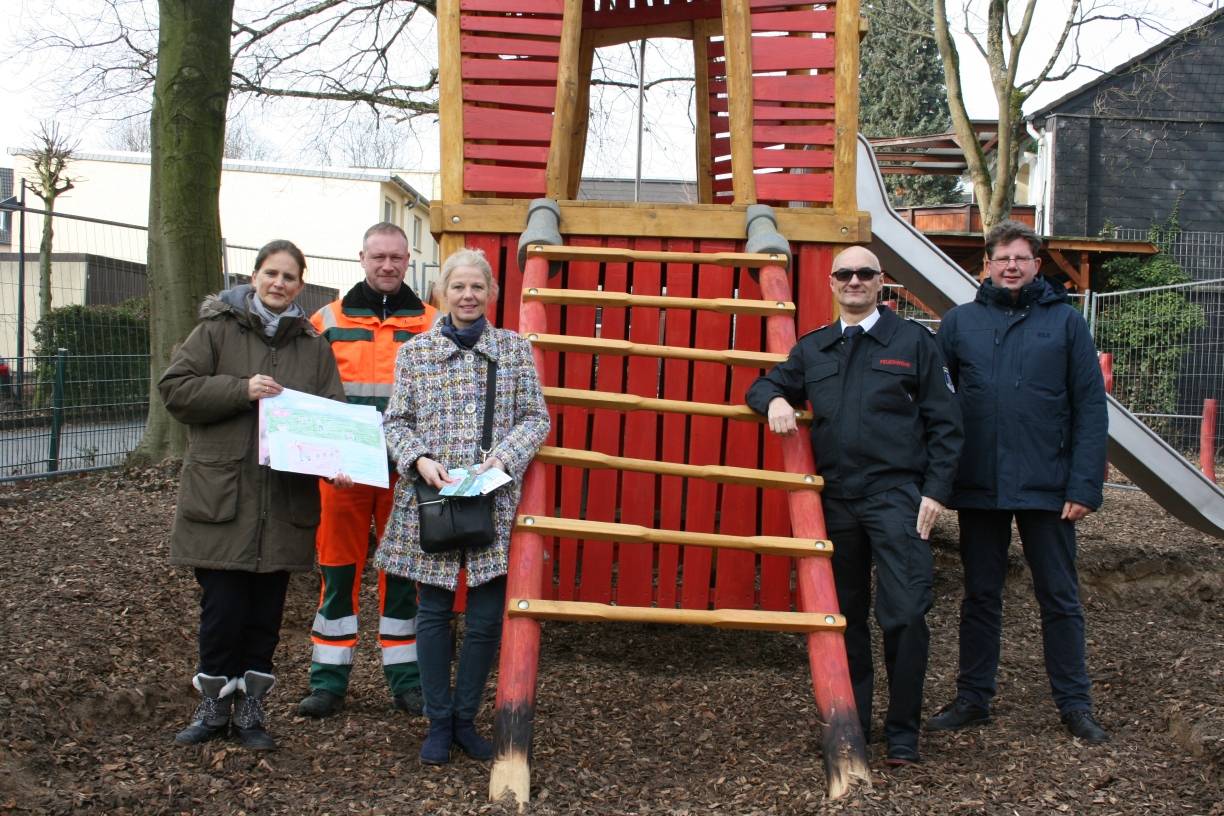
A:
(1169, 42)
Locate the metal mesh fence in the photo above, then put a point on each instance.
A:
(1199, 254)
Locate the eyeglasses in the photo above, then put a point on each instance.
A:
(1003, 262)
(864, 273)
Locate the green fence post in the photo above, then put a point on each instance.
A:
(57, 409)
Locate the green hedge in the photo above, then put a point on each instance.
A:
(107, 365)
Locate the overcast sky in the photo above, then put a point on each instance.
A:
(26, 97)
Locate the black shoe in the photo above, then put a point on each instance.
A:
(1083, 725)
(960, 713)
(409, 701)
(320, 703)
(435, 750)
(471, 743)
(250, 719)
(902, 756)
(212, 716)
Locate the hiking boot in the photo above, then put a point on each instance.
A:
(409, 701)
(250, 719)
(320, 703)
(960, 713)
(435, 750)
(1084, 726)
(471, 743)
(212, 715)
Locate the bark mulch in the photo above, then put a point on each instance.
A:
(98, 648)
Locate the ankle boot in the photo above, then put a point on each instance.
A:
(212, 715)
(250, 719)
(435, 750)
(471, 743)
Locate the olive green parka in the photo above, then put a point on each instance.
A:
(234, 513)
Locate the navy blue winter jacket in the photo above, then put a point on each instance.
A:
(1032, 398)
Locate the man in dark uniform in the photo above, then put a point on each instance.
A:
(886, 433)
(1035, 419)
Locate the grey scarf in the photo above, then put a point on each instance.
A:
(271, 320)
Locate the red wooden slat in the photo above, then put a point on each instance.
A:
(497, 123)
(511, 25)
(776, 570)
(506, 154)
(791, 53)
(606, 436)
(490, 178)
(821, 22)
(528, 70)
(782, 134)
(794, 186)
(797, 88)
(813, 298)
(792, 158)
(635, 576)
(763, 113)
(677, 383)
(471, 44)
(514, 7)
(543, 97)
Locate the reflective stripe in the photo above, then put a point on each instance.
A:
(335, 628)
(329, 317)
(399, 654)
(397, 627)
(333, 655)
(367, 389)
(338, 335)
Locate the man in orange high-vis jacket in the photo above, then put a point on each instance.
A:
(366, 327)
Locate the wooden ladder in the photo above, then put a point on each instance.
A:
(650, 540)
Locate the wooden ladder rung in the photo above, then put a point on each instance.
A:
(633, 402)
(722, 618)
(621, 348)
(591, 297)
(751, 260)
(715, 473)
(633, 533)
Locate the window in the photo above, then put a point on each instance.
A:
(416, 231)
(388, 211)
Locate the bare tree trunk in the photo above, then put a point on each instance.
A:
(190, 95)
(44, 262)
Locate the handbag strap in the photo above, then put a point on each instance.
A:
(486, 435)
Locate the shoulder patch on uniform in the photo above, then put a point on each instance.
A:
(923, 325)
(813, 331)
(948, 380)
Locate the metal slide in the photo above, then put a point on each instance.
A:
(940, 283)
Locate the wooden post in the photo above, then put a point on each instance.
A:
(450, 115)
(1106, 360)
(845, 116)
(701, 72)
(566, 126)
(737, 48)
(1207, 439)
(518, 666)
(845, 752)
(582, 111)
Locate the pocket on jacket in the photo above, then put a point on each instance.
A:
(1043, 458)
(821, 389)
(208, 491)
(295, 498)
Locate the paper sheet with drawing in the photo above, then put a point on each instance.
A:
(302, 433)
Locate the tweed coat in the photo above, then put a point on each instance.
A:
(437, 410)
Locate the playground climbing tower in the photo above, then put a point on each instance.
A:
(659, 497)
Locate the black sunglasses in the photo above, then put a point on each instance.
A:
(865, 273)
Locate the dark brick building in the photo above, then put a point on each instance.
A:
(1126, 146)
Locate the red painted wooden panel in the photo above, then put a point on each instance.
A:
(543, 97)
(762, 113)
(782, 134)
(677, 383)
(788, 53)
(506, 154)
(813, 298)
(606, 434)
(706, 433)
(822, 22)
(576, 422)
(797, 88)
(514, 7)
(635, 577)
(720, 146)
(489, 178)
(794, 186)
(531, 70)
(540, 26)
(776, 571)
(762, 157)
(735, 584)
(509, 46)
(498, 123)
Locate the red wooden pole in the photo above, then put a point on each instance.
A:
(1207, 439)
(845, 753)
(1105, 358)
(514, 709)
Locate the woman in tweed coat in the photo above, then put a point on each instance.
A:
(433, 423)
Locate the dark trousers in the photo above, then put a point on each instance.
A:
(1049, 548)
(240, 620)
(486, 605)
(882, 528)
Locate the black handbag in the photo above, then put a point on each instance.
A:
(460, 522)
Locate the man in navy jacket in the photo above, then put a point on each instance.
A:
(1033, 402)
